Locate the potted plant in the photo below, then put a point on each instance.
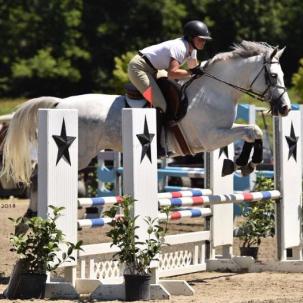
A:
(39, 252)
(136, 256)
(259, 220)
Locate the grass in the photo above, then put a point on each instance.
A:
(9, 105)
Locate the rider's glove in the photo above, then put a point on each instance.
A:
(198, 70)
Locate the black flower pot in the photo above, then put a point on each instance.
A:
(137, 287)
(27, 286)
(250, 251)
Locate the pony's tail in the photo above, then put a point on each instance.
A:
(21, 138)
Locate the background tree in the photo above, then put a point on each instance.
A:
(65, 47)
(297, 81)
(116, 27)
(44, 47)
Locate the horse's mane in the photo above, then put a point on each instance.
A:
(244, 50)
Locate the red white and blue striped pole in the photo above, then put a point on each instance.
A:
(100, 201)
(219, 199)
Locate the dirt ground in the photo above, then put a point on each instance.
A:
(210, 287)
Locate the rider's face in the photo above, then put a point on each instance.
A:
(198, 42)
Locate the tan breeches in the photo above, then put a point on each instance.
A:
(143, 76)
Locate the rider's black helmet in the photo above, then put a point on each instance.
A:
(196, 28)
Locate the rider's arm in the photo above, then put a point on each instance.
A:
(192, 61)
(175, 72)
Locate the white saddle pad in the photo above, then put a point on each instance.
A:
(135, 103)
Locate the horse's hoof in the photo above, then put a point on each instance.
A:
(228, 167)
(247, 169)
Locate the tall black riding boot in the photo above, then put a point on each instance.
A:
(160, 124)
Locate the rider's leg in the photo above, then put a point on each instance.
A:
(160, 124)
(143, 77)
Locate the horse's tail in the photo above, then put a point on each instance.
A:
(21, 138)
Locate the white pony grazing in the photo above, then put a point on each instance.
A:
(209, 123)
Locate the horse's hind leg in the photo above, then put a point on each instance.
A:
(22, 227)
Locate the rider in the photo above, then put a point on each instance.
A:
(169, 56)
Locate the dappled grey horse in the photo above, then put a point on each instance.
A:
(251, 68)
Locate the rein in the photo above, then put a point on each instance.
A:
(269, 80)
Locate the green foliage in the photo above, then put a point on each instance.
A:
(38, 248)
(297, 79)
(44, 65)
(64, 47)
(259, 217)
(136, 255)
(120, 76)
(44, 45)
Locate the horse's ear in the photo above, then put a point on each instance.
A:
(274, 52)
(280, 52)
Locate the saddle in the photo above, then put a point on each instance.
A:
(171, 90)
(176, 102)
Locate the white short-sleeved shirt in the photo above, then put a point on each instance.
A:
(160, 54)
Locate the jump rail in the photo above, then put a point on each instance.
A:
(58, 186)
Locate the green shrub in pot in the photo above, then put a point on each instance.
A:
(259, 220)
(38, 251)
(135, 255)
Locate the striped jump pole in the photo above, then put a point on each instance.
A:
(186, 213)
(100, 201)
(92, 223)
(219, 199)
(174, 215)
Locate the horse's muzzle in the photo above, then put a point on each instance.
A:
(284, 110)
(278, 109)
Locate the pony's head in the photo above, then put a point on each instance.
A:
(271, 86)
(266, 81)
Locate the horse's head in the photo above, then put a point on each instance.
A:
(252, 68)
(268, 83)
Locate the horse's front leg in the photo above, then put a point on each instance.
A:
(22, 227)
(220, 137)
(256, 144)
(257, 157)
(252, 136)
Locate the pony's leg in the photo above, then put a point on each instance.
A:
(257, 157)
(219, 137)
(224, 136)
(245, 154)
(22, 228)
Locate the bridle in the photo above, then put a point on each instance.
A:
(270, 80)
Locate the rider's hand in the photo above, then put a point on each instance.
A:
(197, 70)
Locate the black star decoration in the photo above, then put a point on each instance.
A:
(145, 139)
(224, 150)
(292, 143)
(63, 143)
